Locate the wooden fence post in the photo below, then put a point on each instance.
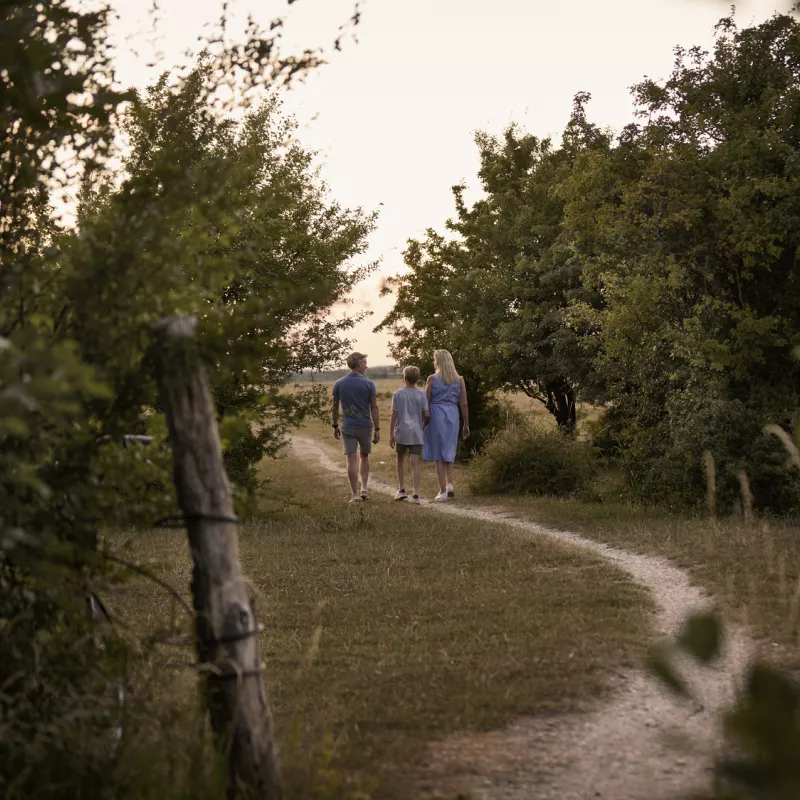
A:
(225, 626)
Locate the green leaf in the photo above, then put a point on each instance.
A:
(659, 664)
(701, 637)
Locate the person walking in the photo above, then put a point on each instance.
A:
(360, 429)
(409, 415)
(446, 393)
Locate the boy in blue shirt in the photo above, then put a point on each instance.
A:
(409, 414)
(358, 399)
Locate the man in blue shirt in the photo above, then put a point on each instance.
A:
(358, 399)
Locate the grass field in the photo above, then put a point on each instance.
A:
(388, 627)
(751, 568)
(517, 401)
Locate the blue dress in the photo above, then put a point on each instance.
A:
(441, 433)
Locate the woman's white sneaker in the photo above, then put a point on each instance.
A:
(440, 498)
(451, 492)
(415, 498)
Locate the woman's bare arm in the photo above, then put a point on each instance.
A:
(462, 401)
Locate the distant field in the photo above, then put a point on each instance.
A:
(385, 386)
(517, 400)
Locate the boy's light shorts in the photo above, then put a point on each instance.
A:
(355, 438)
(414, 449)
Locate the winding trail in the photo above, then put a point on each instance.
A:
(643, 744)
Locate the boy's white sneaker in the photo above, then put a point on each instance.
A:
(440, 498)
(400, 494)
(415, 498)
(451, 492)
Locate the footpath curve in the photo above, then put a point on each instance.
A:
(642, 744)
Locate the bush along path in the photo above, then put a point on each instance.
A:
(644, 743)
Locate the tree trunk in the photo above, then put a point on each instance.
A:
(227, 640)
(561, 404)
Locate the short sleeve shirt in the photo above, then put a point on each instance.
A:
(354, 392)
(409, 404)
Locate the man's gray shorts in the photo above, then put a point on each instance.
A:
(353, 438)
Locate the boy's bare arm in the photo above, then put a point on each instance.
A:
(392, 426)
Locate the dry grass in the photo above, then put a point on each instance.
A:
(388, 626)
(516, 400)
(385, 387)
(752, 567)
(534, 408)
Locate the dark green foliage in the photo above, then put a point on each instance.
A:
(664, 463)
(688, 229)
(228, 222)
(65, 733)
(487, 417)
(655, 271)
(761, 755)
(496, 293)
(202, 216)
(529, 460)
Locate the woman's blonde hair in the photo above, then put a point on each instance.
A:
(445, 368)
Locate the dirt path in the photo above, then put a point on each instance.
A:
(642, 745)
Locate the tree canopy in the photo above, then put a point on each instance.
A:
(211, 208)
(653, 270)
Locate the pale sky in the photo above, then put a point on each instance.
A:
(393, 115)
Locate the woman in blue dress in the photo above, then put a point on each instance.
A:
(446, 392)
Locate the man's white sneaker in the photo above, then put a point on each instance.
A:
(451, 492)
(400, 494)
(415, 498)
(440, 498)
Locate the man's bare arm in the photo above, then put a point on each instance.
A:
(376, 420)
(373, 408)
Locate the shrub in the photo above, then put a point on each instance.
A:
(527, 459)
(65, 734)
(487, 417)
(664, 462)
(603, 433)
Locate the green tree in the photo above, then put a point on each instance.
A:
(498, 290)
(229, 222)
(688, 230)
(200, 219)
